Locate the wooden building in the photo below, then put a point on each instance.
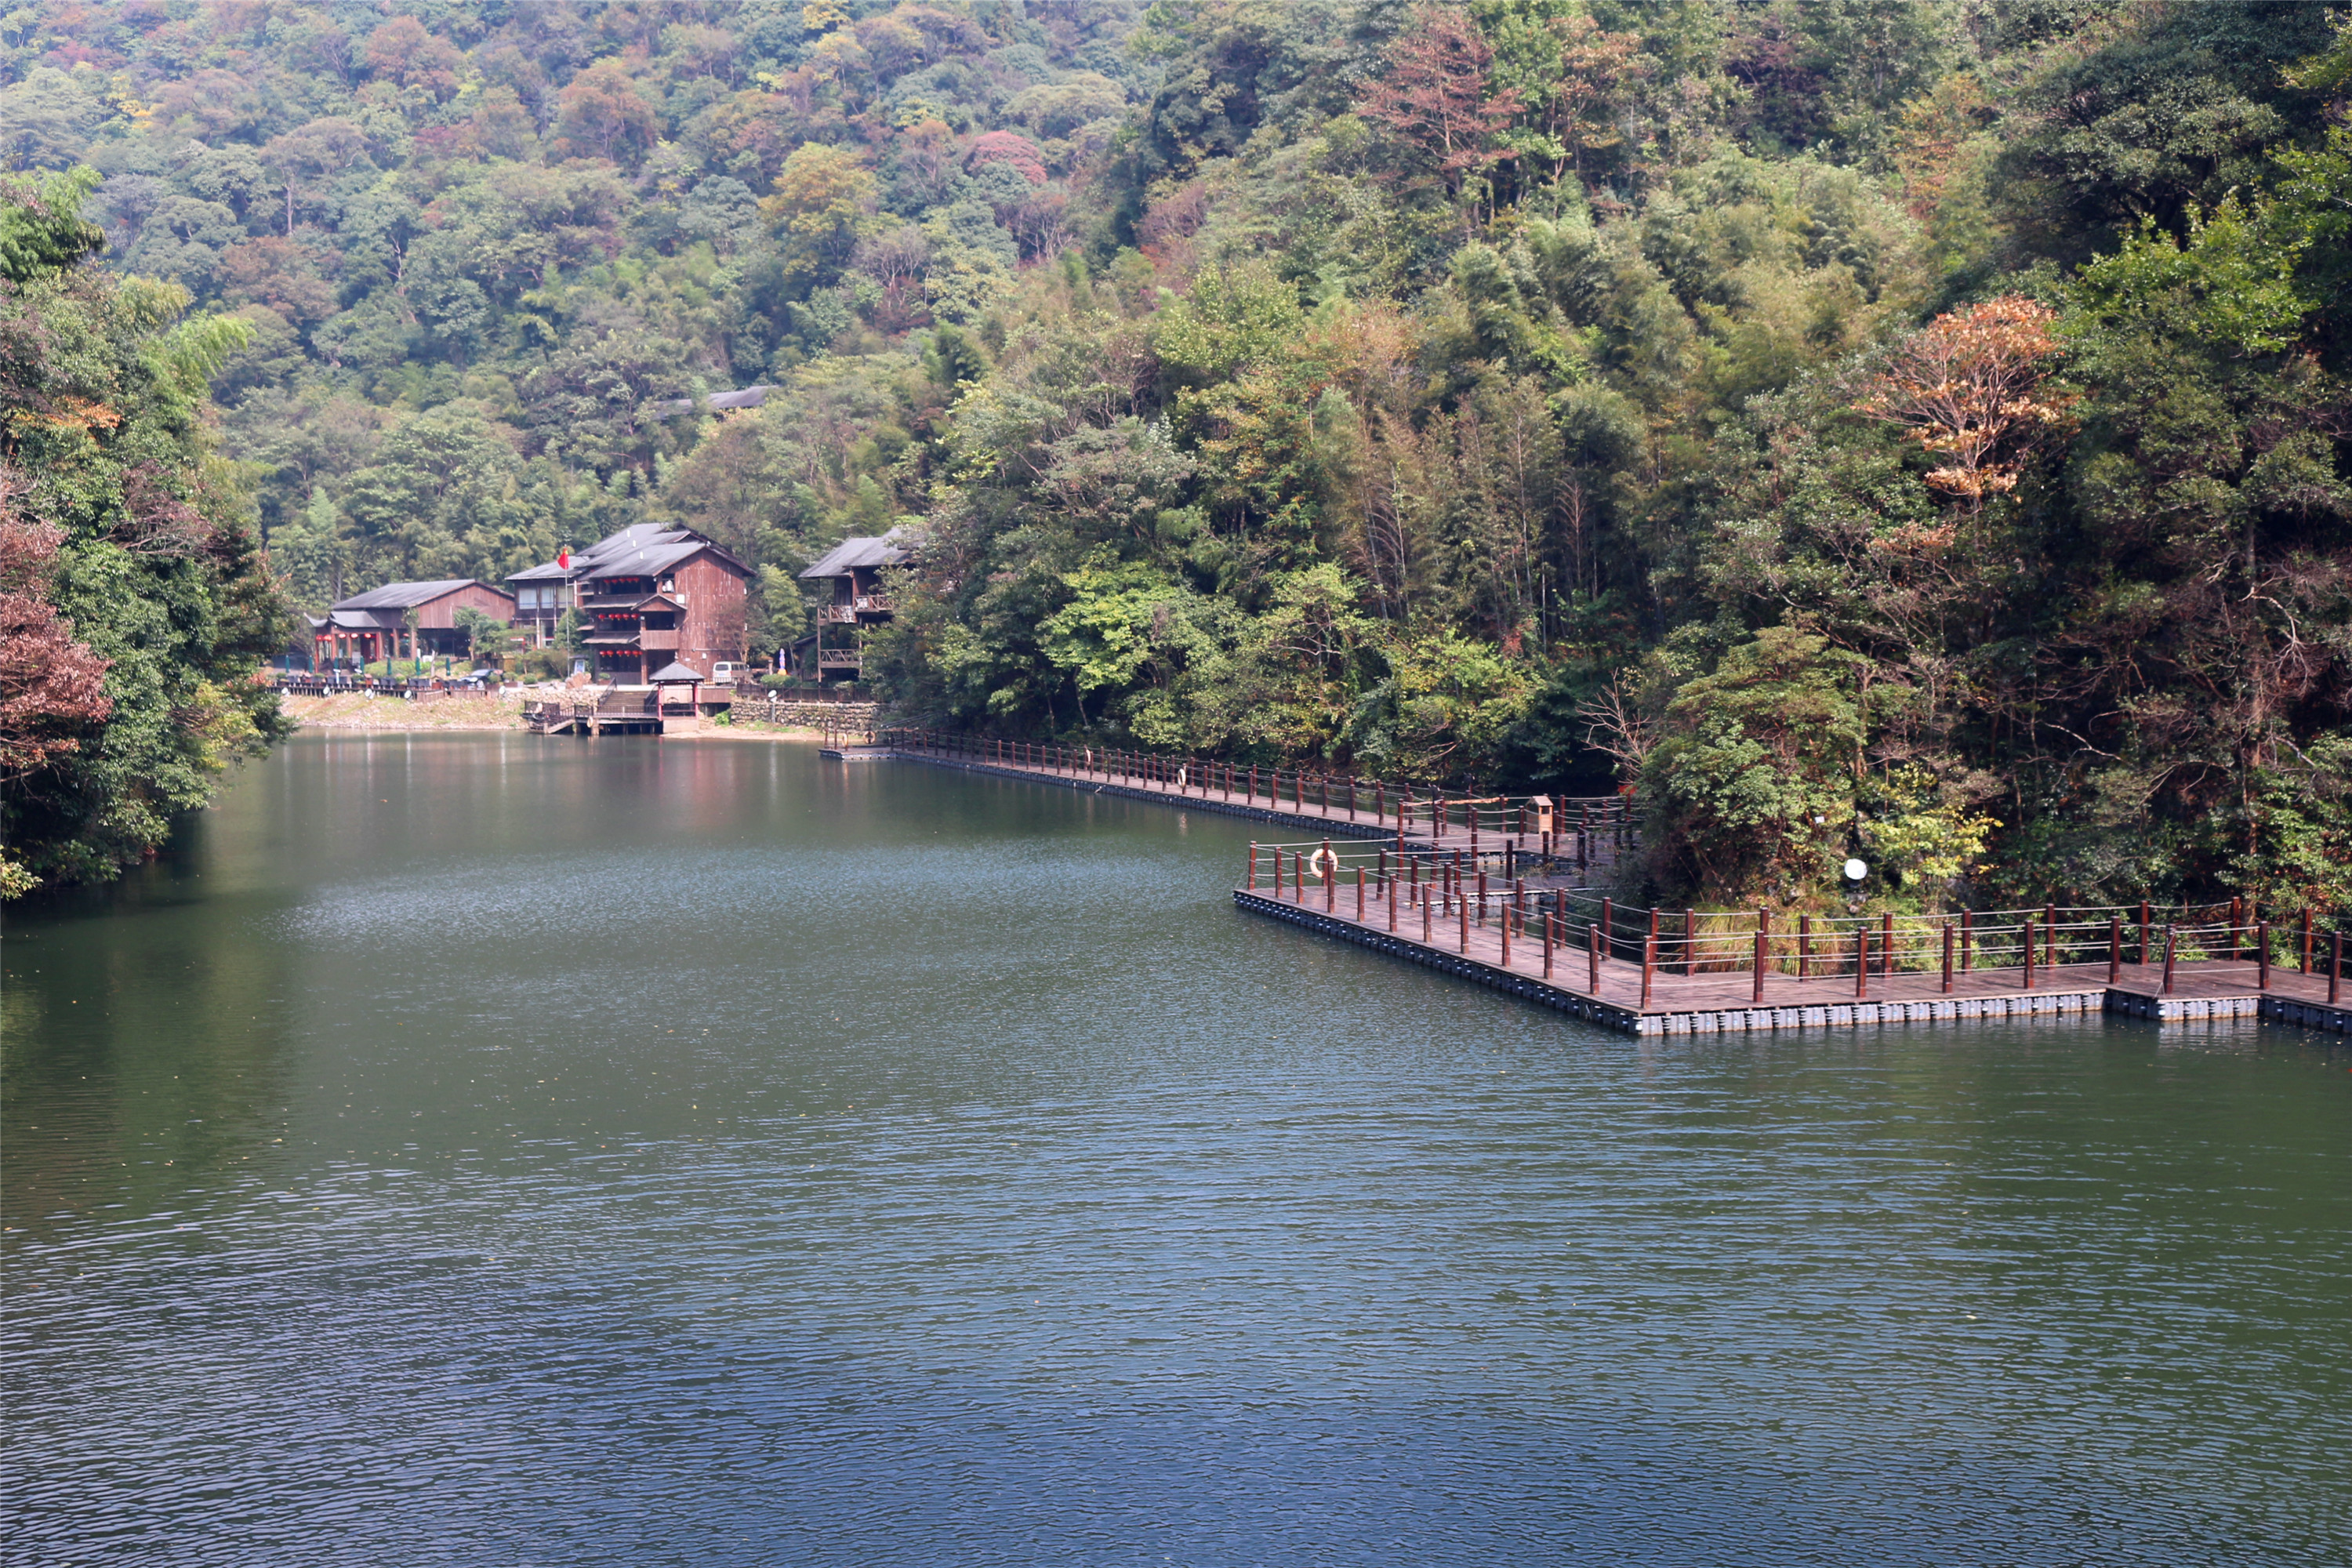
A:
(652, 596)
(853, 568)
(400, 620)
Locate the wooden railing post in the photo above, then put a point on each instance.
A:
(2237, 914)
(2305, 966)
(1331, 880)
(1464, 908)
(1503, 933)
(1805, 947)
(1649, 967)
(2028, 953)
(1253, 865)
(1550, 920)
(2147, 934)
(1592, 955)
(1359, 895)
(1887, 945)
(2334, 967)
(1861, 960)
(1947, 957)
(1967, 940)
(2261, 955)
(2171, 943)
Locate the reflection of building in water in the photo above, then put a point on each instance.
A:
(648, 597)
(855, 568)
(400, 620)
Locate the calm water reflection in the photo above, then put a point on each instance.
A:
(491, 1150)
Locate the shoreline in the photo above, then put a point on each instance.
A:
(364, 713)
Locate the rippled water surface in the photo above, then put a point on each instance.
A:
(493, 1149)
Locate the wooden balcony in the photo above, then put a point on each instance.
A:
(865, 607)
(658, 642)
(847, 659)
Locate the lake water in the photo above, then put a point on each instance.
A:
(500, 1150)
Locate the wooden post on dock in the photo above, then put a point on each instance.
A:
(1947, 957)
(1504, 931)
(1861, 960)
(1763, 953)
(1690, 943)
(2114, 948)
(1584, 841)
(2334, 967)
(1967, 940)
(2028, 953)
(1252, 881)
(2237, 914)
(1465, 928)
(2306, 941)
(2172, 941)
(1388, 895)
(1592, 953)
(1649, 967)
(1805, 947)
(1887, 945)
(1549, 921)
(1330, 882)
(1426, 939)
(1482, 893)
(2261, 955)
(2146, 935)
(1359, 895)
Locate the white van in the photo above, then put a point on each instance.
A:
(724, 673)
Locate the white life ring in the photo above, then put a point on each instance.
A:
(1322, 858)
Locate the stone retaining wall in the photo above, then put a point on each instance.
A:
(806, 715)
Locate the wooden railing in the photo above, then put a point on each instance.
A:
(1551, 826)
(2234, 941)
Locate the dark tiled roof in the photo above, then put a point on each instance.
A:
(748, 397)
(887, 550)
(407, 595)
(639, 550)
(674, 670)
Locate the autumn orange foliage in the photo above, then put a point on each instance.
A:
(1969, 387)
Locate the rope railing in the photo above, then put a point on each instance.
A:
(2037, 944)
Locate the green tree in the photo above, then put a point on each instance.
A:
(102, 440)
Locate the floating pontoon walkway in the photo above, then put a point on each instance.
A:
(1633, 970)
(1410, 878)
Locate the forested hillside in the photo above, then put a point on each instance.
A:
(1912, 426)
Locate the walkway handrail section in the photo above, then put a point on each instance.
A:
(1406, 808)
(1688, 943)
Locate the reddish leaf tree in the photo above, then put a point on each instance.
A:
(51, 687)
(1434, 95)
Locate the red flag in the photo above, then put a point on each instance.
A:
(563, 558)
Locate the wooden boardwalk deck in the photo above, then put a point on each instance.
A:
(1610, 989)
(1228, 792)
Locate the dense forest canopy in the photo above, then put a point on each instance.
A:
(1912, 426)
